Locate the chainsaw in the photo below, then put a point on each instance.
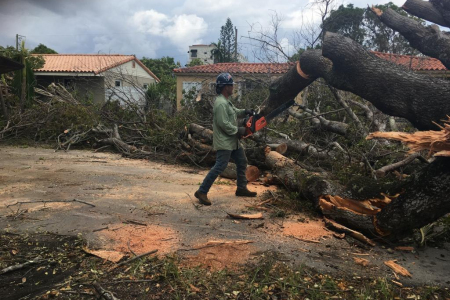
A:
(255, 122)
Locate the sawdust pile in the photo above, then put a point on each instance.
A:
(219, 255)
(139, 239)
(313, 230)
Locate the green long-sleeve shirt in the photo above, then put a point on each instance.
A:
(225, 124)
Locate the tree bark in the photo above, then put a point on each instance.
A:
(286, 88)
(428, 40)
(295, 178)
(444, 8)
(426, 199)
(425, 10)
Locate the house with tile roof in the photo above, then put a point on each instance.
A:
(199, 80)
(98, 77)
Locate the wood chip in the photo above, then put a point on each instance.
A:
(339, 235)
(397, 283)
(397, 268)
(361, 261)
(246, 216)
(404, 248)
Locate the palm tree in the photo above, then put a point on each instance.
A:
(218, 52)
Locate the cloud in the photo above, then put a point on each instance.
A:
(182, 30)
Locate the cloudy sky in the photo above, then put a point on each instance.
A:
(151, 28)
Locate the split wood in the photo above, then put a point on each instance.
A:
(246, 216)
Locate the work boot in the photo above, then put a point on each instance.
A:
(244, 192)
(203, 198)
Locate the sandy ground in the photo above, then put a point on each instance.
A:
(124, 206)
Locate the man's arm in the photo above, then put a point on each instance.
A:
(223, 121)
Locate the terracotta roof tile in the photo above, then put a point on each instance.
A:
(416, 63)
(87, 63)
(239, 68)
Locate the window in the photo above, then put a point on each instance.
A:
(118, 83)
(145, 86)
(134, 64)
(194, 53)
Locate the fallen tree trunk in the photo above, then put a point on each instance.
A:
(201, 131)
(346, 65)
(295, 178)
(429, 40)
(425, 10)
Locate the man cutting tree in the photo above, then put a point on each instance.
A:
(226, 135)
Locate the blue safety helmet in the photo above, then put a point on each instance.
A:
(222, 80)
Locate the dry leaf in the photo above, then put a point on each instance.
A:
(193, 288)
(24, 279)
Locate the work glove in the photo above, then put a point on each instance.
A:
(250, 112)
(242, 131)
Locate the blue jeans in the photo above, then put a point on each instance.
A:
(222, 158)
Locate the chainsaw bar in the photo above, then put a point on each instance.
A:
(279, 110)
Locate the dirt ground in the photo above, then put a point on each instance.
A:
(121, 205)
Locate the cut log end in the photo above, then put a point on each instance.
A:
(300, 72)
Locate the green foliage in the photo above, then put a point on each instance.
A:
(348, 21)
(195, 62)
(23, 80)
(42, 49)
(163, 69)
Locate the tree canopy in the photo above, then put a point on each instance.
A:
(225, 50)
(42, 49)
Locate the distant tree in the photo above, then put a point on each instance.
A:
(42, 49)
(227, 41)
(195, 62)
(217, 52)
(348, 21)
(161, 66)
(167, 88)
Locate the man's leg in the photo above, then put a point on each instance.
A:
(241, 165)
(222, 158)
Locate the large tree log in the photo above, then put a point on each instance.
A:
(425, 10)
(444, 8)
(251, 173)
(201, 131)
(429, 40)
(286, 88)
(391, 88)
(295, 178)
